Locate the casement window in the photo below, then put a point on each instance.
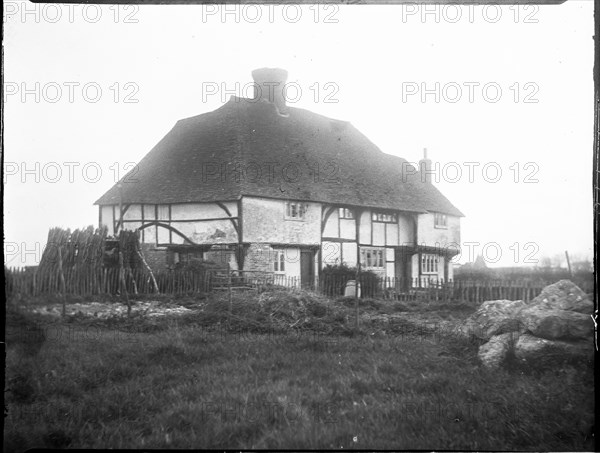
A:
(372, 258)
(429, 263)
(295, 210)
(384, 217)
(278, 260)
(440, 220)
(346, 213)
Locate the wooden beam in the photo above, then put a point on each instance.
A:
(212, 219)
(168, 227)
(326, 213)
(122, 210)
(231, 218)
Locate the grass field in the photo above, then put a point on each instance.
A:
(205, 380)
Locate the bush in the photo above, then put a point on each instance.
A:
(334, 279)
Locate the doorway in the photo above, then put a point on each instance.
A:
(307, 268)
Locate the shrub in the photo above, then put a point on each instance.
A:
(334, 279)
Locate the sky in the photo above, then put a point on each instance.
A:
(501, 97)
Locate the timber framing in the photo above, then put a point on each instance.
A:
(171, 229)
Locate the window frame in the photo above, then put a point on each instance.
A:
(382, 217)
(278, 261)
(298, 207)
(436, 217)
(346, 213)
(430, 264)
(377, 255)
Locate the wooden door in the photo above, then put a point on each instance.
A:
(307, 268)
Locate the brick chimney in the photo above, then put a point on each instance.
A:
(425, 168)
(268, 86)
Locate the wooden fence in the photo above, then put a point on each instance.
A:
(95, 280)
(438, 289)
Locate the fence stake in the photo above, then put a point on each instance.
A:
(229, 286)
(63, 296)
(122, 283)
(356, 296)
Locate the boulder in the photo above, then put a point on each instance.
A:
(564, 295)
(554, 324)
(493, 318)
(493, 353)
(528, 347)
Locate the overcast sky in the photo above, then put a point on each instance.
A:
(513, 84)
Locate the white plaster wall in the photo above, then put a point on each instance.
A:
(331, 226)
(391, 234)
(378, 233)
(415, 265)
(331, 253)
(406, 230)
(292, 262)
(438, 237)
(149, 212)
(107, 218)
(348, 229)
(207, 232)
(441, 263)
(365, 227)
(264, 221)
(349, 253)
(150, 235)
(163, 235)
(134, 212)
(192, 211)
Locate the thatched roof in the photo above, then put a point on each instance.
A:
(196, 162)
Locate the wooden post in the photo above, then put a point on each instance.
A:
(356, 286)
(61, 275)
(122, 283)
(138, 250)
(229, 286)
(569, 263)
(34, 283)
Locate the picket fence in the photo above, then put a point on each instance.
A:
(95, 280)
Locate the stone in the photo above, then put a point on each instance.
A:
(350, 289)
(554, 324)
(529, 347)
(494, 352)
(564, 295)
(493, 318)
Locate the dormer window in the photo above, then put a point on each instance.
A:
(346, 213)
(384, 217)
(295, 210)
(440, 220)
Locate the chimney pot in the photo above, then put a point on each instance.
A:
(269, 84)
(425, 168)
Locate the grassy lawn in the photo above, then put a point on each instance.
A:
(201, 381)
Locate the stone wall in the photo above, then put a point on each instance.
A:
(258, 258)
(156, 258)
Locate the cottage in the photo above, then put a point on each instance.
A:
(268, 187)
